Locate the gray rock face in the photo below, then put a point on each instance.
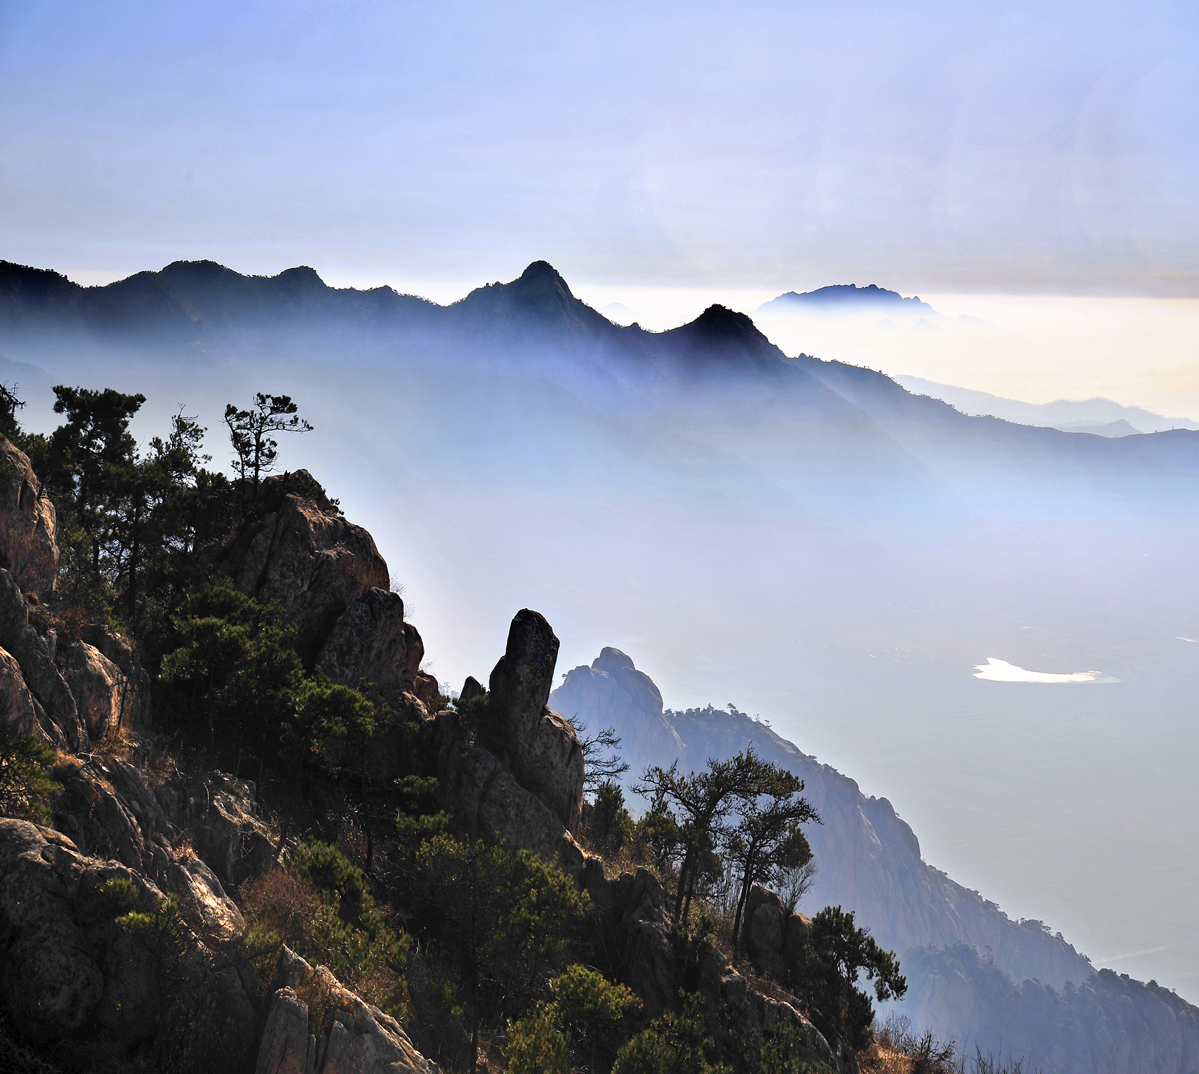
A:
(539, 746)
(110, 810)
(28, 528)
(134, 686)
(66, 962)
(98, 686)
(486, 797)
(23, 714)
(765, 920)
(58, 716)
(226, 828)
(370, 641)
(305, 556)
(314, 1025)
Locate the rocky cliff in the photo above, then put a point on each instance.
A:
(1106, 1024)
(120, 927)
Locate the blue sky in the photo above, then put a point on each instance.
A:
(1027, 148)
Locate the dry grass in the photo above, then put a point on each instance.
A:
(282, 907)
(898, 1049)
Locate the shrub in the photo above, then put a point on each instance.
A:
(25, 784)
(537, 1044)
(322, 908)
(676, 1043)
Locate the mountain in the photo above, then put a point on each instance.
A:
(862, 548)
(846, 298)
(964, 958)
(198, 309)
(1100, 416)
(868, 858)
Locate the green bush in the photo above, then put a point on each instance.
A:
(322, 908)
(25, 784)
(676, 1043)
(536, 1043)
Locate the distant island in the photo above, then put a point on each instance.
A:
(845, 297)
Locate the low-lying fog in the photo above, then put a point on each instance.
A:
(1139, 351)
(700, 532)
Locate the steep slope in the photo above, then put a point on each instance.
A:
(869, 859)
(964, 958)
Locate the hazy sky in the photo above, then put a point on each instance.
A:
(1023, 147)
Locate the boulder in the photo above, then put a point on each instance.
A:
(793, 938)
(314, 1023)
(427, 689)
(28, 528)
(370, 641)
(471, 689)
(763, 930)
(539, 747)
(302, 553)
(59, 715)
(135, 687)
(98, 687)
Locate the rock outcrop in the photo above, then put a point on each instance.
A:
(134, 685)
(331, 582)
(507, 766)
(110, 809)
(486, 797)
(316, 1026)
(539, 747)
(56, 714)
(370, 641)
(68, 964)
(302, 553)
(28, 527)
(98, 686)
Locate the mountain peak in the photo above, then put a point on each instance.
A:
(726, 335)
(846, 296)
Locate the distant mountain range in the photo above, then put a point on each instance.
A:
(1102, 417)
(197, 310)
(845, 298)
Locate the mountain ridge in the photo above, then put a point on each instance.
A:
(842, 296)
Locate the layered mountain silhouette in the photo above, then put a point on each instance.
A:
(201, 308)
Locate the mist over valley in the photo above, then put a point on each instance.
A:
(803, 538)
